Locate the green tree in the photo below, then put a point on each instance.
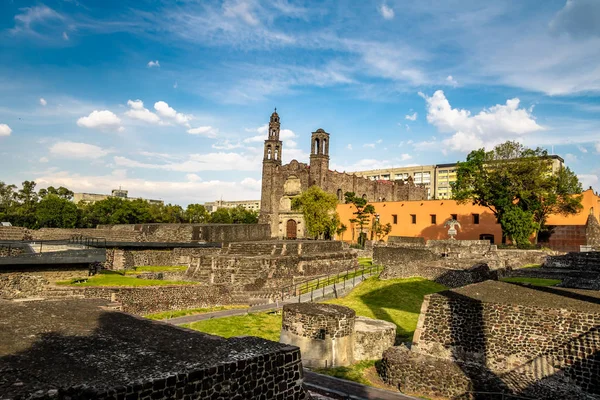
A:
(61, 192)
(363, 213)
(7, 200)
(241, 215)
(340, 231)
(518, 225)
(55, 212)
(319, 210)
(26, 202)
(512, 174)
(221, 216)
(196, 214)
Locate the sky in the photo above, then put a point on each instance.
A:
(170, 99)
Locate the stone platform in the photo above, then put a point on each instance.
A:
(75, 349)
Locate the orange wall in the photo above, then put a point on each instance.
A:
(443, 209)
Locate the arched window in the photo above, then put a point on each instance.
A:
(269, 153)
(324, 147)
(340, 196)
(277, 153)
(364, 196)
(316, 146)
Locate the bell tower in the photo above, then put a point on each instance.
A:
(271, 161)
(319, 157)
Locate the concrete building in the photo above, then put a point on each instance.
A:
(436, 178)
(281, 183)
(251, 205)
(89, 198)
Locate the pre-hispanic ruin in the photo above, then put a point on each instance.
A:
(280, 183)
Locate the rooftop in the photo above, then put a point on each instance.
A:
(544, 297)
(47, 345)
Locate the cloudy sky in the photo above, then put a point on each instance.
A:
(170, 99)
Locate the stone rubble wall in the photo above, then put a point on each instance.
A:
(138, 258)
(15, 283)
(592, 232)
(11, 250)
(13, 233)
(587, 261)
(527, 344)
(372, 337)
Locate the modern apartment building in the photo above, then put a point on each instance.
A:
(252, 205)
(436, 178)
(89, 198)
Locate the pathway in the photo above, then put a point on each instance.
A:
(318, 294)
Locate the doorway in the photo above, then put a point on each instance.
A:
(291, 229)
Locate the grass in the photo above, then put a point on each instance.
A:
(264, 325)
(114, 278)
(533, 281)
(315, 284)
(531, 266)
(394, 300)
(365, 261)
(191, 311)
(156, 268)
(354, 372)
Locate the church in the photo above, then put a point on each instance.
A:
(281, 183)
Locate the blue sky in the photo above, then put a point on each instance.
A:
(169, 99)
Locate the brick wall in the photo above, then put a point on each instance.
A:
(566, 237)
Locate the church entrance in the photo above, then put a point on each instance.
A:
(291, 229)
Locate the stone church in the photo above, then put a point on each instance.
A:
(281, 183)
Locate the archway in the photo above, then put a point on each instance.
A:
(340, 196)
(487, 236)
(291, 229)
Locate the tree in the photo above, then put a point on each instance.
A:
(196, 214)
(319, 210)
(340, 231)
(7, 198)
(363, 212)
(513, 175)
(56, 212)
(383, 230)
(518, 225)
(240, 215)
(221, 216)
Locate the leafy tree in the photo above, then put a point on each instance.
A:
(173, 214)
(196, 214)
(363, 212)
(318, 208)
(513, 175)
(221, 216)
(518, 225)
(61, 192)
(340, 231)
(56, 212)
(7, 198)
(240, 215)
(383, 230)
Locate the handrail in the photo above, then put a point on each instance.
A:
(320, 282)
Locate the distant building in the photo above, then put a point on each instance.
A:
(251, 205)
(89, 198)
(436, 178)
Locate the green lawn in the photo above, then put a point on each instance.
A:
(155, 268)
(114, 278)
(315, 284)
(533, 281)
(365, 261)
(191, 311)
(395, 300)
(354, 372)
(264, 325)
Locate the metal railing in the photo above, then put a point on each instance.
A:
(338, 280)
(87, 241)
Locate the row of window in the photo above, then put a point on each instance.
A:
(413, 218)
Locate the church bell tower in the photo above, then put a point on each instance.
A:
(271, 161)
(319, 157)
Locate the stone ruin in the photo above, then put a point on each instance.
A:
(537, 342)
(75, 349)
(453, 263)
(332, 336)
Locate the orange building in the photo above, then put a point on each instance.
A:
(427, 218)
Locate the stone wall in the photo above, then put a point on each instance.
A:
(13, 233)
(587, 261)
(531, 339)
(21, 283)
(11, 250)
(411, 240)
(372, 337)
(117, 258)
(592, 232)
(149, 299)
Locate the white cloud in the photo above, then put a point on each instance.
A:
(284, 134)
(5, 130)
(138, 111)
(405, 157)
(582, 149)
(77, 150)
(43, 101)
(175, 85)
(411, 117)
(571, 158)
(240, 9)
(220, 161)
(207, 131)
(489, 127)
(166, 111)
(152, 64)
(369, 164)
(386, 12)
(597, 147)
(451, 81)
(379, 141)
(65, 36)
(226, 145)
(589, 180)
(369, 145)
(104, 120)
(349, 147)
(191, 189)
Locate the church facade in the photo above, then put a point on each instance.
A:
(281, 183)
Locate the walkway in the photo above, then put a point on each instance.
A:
(339, 388)
(315, 295)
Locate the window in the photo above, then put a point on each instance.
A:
(476, 219)
(395, 219)
(413, 218)
(454, 216)
(433, 219)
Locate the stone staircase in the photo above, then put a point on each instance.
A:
(254, 249)
(200, 269)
